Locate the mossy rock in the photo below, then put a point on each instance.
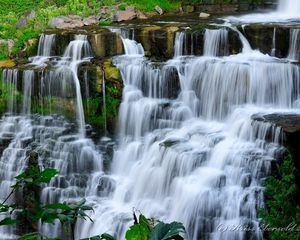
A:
(111, 72)
(7, 64)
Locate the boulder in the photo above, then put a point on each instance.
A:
(159, 10)
(24, 20)
(90, 20)
(204, 15)
(141, 15)
(75, 17)
(57, 22)
(128, 14)
(62, 22)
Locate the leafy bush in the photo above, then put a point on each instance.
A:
(282, 208)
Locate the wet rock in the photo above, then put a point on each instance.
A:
(25, 141)
(22, 23)
(128, 14)
(106, 186)
(290, 123)
(204, 15)
(246, 180)
(159, 10)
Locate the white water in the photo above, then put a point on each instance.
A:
(188, 149)
(216, 42)
(294, 50)
(287, 11)
(179, 44)
(77, 52)
(197, 157)
(46, 44)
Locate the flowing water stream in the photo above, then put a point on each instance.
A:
(187, 148)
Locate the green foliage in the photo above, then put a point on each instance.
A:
(282, 208)
(148, 229)
(66, 213)
(105, 22)
(33, 176)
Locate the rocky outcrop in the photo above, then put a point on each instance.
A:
(289, 123)
(72, 21)
(22, 23)
(261, 37)
(128, 14)
(90, 20)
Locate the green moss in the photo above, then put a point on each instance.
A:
(105, 22)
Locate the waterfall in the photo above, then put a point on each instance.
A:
(16, 133)
(104, 102)
(46, 44)
(45, 49)
(287, 11)
(77, 52)
(189, 147)
(216, 42)
(294, 50)
(195, 155)
(289, 7)
(131, 47)
(273, 50)
(28, 77)
(179, 44)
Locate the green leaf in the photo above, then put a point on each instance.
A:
(46, 175)
(137, 232)
(62, 206)
(143, 220)
(31, 236)
(167, 231)
(104, 236)
(7, 221)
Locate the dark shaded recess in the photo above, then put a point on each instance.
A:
(261, 37)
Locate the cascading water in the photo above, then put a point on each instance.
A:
(188, 147)
(294, 51)
(215, 41)
(196, 155)
(273, 50)
(287, 11)
(56, 140)
(179, 44)
(45, 47)
(289, 7)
